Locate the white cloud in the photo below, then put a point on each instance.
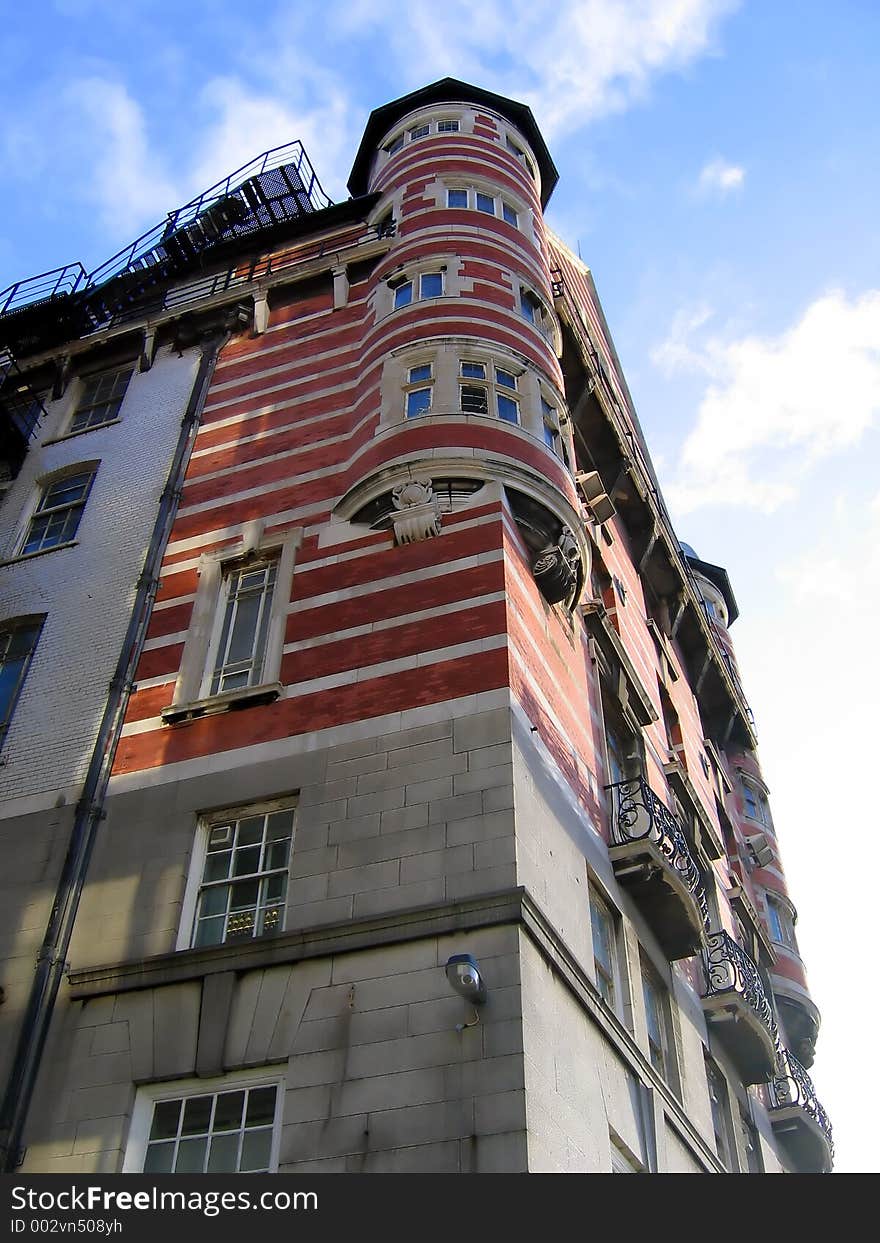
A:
(719, 177)
(775, 406)
(572, 61)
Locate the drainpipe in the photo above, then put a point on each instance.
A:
(52, 958)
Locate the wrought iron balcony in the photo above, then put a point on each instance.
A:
(652, 859)
(740, 1010)
(800, 1122)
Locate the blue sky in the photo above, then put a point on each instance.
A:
(719, 173)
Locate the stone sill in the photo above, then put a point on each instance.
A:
(228, 701)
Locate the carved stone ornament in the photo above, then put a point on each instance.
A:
(417, 515)
(556, 568)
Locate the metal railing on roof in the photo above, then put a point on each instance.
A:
(278, 186)
(32, 289)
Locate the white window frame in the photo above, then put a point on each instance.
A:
(493, 388)
(119, 379)
(501, 204)
(651, 982)
(255, 674)
(415, 282)
(418, 386)
(46, 485)
(196, 664)
(189, 908)
(8, 629)
(599, 903)
(151, 1094)
(781, 919)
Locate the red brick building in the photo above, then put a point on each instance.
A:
(427, 674)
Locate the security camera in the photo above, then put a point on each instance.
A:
(463, 973)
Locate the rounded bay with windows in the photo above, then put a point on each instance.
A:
(463, 328)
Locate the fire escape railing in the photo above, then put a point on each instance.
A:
(57, 283)
(730, 970)
(640, 815)
(794, 1087)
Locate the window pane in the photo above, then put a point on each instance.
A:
(227, 1115)
(418, 402)
(473, 371)
(255, 1149)
(395, 144)
(509, 214)
(456, 198)
(419, 132)
(447, 127)
(224, 1154)
(486, 203)
(250, 831)
(214, 901)
(17, 645)
(261, 1106)
(527, 307)
(244, 895)
(210, 931)
(416, 374)
(159, 1159)
(279, 824)
(247, 861)
(403, 295)
(508, 410)
(603, 949)
(431, 284)
(507, 378)
(474, 400)
(191, 1156)
(217, 866)
(166, 1116)
(197, 1115)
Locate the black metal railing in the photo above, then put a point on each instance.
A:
(278, 186)
(57, 283)
(729, 969)
(793, 1086)
(639, 815)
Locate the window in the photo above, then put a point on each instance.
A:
(604, 950)
(719, 1102)
(419, 131)
(531, 308)
(240, 642)
(427, 285)
(100, 400)
(395, 144)
(657, 1020)
(755, 803)
(456, 198)
(58, 513)
(447, 127)
(510, 215)
(485, 203)
(231, 1131)
(751, 1142)
(243, 886)
(419, 392)
(497, 396)
(781, 921)
(517, 151)
(18, 639)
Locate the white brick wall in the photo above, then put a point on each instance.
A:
(85, 591)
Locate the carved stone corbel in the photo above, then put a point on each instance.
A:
(417, 515)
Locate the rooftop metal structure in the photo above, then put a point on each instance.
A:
(276, 188)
